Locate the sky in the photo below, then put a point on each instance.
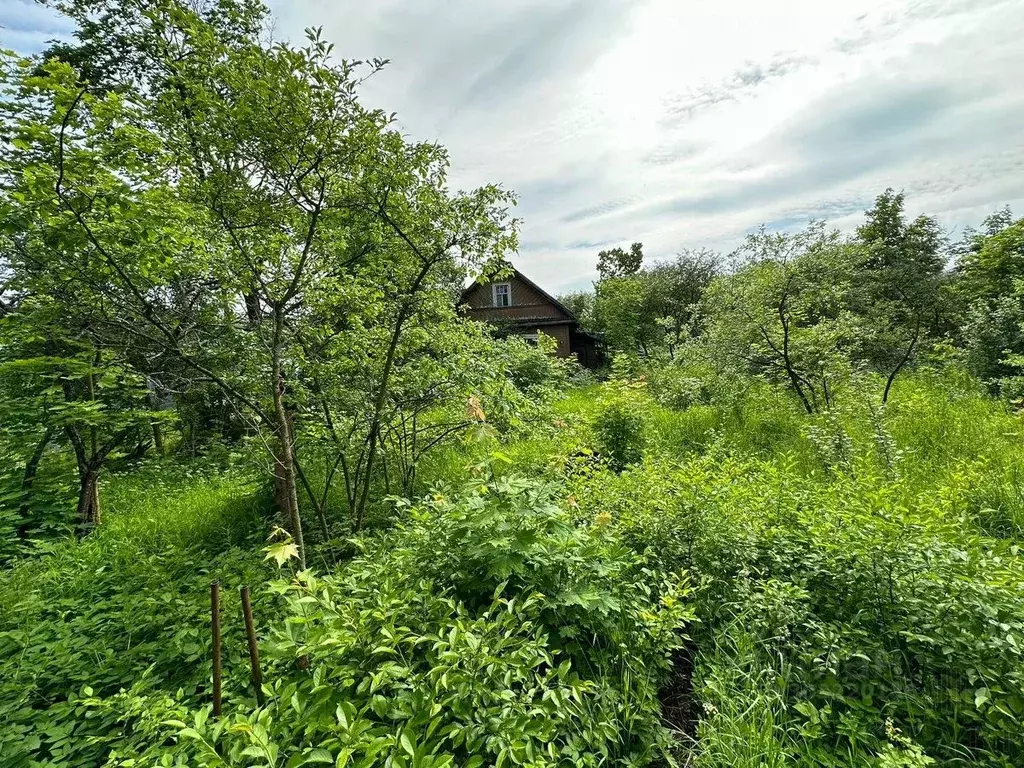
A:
(686, 123)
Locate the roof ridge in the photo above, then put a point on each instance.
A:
(571, 315)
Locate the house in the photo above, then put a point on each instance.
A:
(517, 305)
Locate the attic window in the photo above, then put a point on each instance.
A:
(502, 294)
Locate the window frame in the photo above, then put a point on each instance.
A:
(494, 295)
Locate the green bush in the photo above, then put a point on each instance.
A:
(620, 427)
(676, 387)
(865, 559)
(877, 607)
(32, 519)
(125, 609)
(1011, 389)
(489, 629)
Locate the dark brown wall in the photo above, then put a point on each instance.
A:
(517, 313)
(561, 334)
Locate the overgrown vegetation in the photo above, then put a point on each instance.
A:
(783, 528)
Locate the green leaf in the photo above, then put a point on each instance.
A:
(407, 743)
(281, 552)
(319, 755)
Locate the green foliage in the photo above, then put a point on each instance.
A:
(899, 284)
(619, 426)
(786, 314)
(204, 231)
(993, 294)
(533, 369)
(742, 694)
(856, 557)
(126, 609)
(581, 304)
(617, 262)
(489, 629)
(33, 516)
(652, 312)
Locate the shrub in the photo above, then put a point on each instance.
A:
(1011, 389)
(677, 387)
(489, 629)
(125, 609)
(31, 519)
(877, 606)
(619, 426)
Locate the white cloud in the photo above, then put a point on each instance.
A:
(689, 122)
(26, 26)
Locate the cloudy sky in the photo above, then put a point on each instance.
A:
(686, 123)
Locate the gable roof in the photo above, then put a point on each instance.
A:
(547, 296)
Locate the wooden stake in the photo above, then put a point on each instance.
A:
(215, 630)
(254, 651)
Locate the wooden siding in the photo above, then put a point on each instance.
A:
(516, 314)
(561, 334)
(531, 311)
(527, 302)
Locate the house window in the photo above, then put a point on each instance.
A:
(502, 294)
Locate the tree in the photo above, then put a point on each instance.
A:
(616, 262)
(653, 311)
(901, 273)
(677, 288)
(581, 304)
(784, 312)
(991, 260)
(989, 285)
(623, 313)
(232, 206)
(58, 384)
(58, 346)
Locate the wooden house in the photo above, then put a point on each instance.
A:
(517, 305)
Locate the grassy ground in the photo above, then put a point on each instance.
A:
(858, 578)
(862, 593)
(127, 608)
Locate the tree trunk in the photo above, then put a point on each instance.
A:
(317, 506)
(32, 465)
(903, 361)
(284, 457)
(29, 478)
(280, 485)
(158, 438)
(88, 512)
(794, 378)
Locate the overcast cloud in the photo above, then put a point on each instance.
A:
(686, 123)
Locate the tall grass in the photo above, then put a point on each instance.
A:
(127, 607)
(744, 724)
(865, 555)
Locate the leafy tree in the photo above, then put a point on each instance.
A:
(624, 313)
(232, 206)
(901, 279)
(616, 262)
(991, 260)
(581, 304)
(785, 312)
(58, 386)
(989, 284)
(677, 287)
(82, 185)
(652, 311)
